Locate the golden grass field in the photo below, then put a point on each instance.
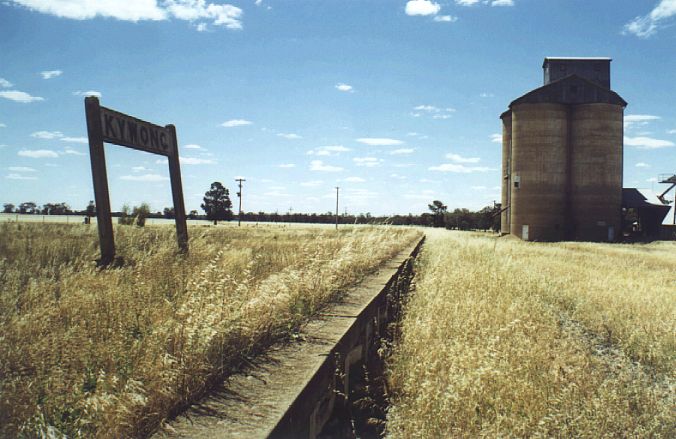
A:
(111, 353)
(504, 338)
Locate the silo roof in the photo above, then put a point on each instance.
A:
(575, 58)
(572, 89)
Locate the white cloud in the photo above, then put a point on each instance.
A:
(20, 177)
(145, 177)
(2, 125)
(642, 165)
(379, 141)
(467, 2)
(652, 180)
(496, 138)
(217, 14)
(422, 7)
(312, 183)
(461, 169)
(49, 74)
(446, 18)
(435, 112)
(427, 108)
(21, 169)
(328, 150)
(502, 3)
(290, 136)
(286, 165)
(486, 95)
(318, 165)
(139, 169)
(84, 9)
(19, 96)
(192, 146)
(478, 188)
(71, 151)
(83, 140)
(88, 93)
(196, 161)
(369, 162)
(402, 151)
(457, 158)
(236, 123)
(630, 120)
(5, 83)
(47, 135)
(671, 132)
(647, 142)
(647, 25)
(38, 153)
(344, 87)
(354, 180)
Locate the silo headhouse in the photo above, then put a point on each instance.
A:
(562, 150)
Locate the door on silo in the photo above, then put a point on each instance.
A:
(611, 234)
(524, 232)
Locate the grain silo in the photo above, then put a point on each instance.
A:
(562, 155)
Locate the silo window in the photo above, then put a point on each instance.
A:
(517, 182)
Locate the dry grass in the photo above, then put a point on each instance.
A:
(111, 353)
(505, 338)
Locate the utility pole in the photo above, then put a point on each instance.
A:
(239, 194)
(337, 189)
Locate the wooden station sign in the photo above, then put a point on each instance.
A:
(124, 130)
(106, 125)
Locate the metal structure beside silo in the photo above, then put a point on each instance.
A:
(562, 156)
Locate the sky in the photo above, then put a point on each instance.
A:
(396, 102)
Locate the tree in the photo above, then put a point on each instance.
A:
(169, 213)
(137, 215)
(125, 218)
(91, 208)
(192, 215)
(55, 209)
(217, 204)
(438, 210)
(140, 213)
(28, 207)
(8, 208)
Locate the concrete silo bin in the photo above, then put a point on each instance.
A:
(539, 171)
(596, 139)
(506, 159)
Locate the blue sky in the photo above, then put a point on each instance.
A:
(396, 102)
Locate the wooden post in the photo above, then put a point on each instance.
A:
(177, 194)
(100, 178)
(337, 188)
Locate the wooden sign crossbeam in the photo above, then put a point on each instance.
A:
(106, 125)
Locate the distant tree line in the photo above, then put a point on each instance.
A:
(218, 207)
